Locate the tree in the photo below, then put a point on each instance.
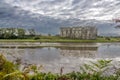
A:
(11, 33)
(21, 33)
(32, 32)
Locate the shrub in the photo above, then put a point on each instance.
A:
(36, 38)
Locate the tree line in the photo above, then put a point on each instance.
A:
(16, 33)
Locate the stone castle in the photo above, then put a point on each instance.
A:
(87, 32)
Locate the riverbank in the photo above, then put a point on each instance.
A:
(63, 40)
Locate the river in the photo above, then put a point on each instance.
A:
(53, 56)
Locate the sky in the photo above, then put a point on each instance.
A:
(47, 16)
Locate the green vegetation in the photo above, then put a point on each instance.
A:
(11, 33)
(92, 71)
(61, 40)
(16, 33)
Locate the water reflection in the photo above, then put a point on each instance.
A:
(67, 55)
(81, 50)
(85, 52)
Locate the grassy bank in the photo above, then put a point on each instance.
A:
(93, 71)
(61, 40)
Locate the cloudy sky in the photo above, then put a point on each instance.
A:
(47, 16)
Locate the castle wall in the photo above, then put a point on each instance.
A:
(79, 32)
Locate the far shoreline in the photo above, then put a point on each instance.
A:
(53, 40)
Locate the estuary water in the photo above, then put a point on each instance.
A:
(53, 56)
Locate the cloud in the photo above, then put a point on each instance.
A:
(65, 9)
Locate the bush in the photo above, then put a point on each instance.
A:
(107, 38)
(36, 38)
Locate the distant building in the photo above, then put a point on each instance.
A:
(79, 32)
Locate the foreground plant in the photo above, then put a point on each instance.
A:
(91, 71)
(96, 70)
(10, 71)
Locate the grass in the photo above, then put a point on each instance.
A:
(54, 39)
(92, 71)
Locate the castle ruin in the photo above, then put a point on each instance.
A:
(87, 32)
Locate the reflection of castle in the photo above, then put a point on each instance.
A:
(86, 52)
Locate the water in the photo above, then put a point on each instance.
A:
(53, 56)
